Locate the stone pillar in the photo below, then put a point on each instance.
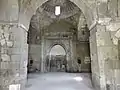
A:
(104, 55)
(113, 65)
(42, 55)
(73, 56)
(94, 59)
(35, 54)
(14, 55)
(100, 44)
(104, 47)
(68, 60)
(68, 56)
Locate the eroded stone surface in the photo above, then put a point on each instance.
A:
(10, 67)
(101, 16)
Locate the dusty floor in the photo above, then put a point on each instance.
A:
(59, 81)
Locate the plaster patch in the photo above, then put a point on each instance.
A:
(14, 87)
(113, 27)
(5, 57)
(115, 41)
(100, 42)
(17, 75)
(104, 21)
(6, 36)
(2, 42)
(87, 60)
(118, 34)
(9, 43)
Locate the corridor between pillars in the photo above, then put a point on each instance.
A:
(14, 54)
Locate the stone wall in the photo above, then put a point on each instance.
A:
(48, 44)
(78, 50)
(105, 61)
(35, 55)
(14, 52)
(104, 49)
(83, 52)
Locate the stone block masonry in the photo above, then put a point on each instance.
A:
(14, 54)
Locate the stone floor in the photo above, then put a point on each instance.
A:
(59, 81)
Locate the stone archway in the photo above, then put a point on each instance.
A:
(28, 9)
(57, 47)
(19, 24)
(57, 59)
(24, 10)
(48, 47)
(57, 43)
(83, 5)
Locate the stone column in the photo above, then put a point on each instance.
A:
(68, 56)
(104, 46)
(14, 55)
(104, 51)
(99, 46)
(94, 59)
(35, 55)
(42, 55)
(73, 56)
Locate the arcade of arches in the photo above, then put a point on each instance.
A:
(87, 33)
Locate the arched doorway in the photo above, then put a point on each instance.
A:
(57, 59)
(52, 28)
(23, 10)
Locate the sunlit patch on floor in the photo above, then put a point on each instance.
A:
(78, 79)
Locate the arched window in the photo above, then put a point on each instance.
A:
(57, 50)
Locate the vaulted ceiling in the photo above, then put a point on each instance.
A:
(45, 16)
(67, 8)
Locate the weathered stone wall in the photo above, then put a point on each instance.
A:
(94, 57)
(103, 51)
(9, 11)
(48, 44)
(35, 55)
(13, 47)
(105, 56)
(14, 52)
(83, 52)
